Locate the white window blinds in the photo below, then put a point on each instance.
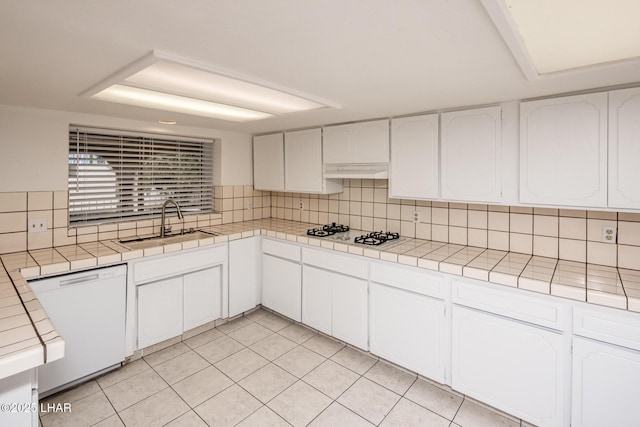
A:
(118, 176)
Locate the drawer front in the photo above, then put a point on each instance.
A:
(517, 305)
(410, 279)
(178, 263)
(609, 325)
(280, 249)
(345, 264)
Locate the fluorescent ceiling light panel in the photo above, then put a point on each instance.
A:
(164, 82)
(548, 36)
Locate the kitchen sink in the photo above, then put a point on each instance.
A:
(151, 241)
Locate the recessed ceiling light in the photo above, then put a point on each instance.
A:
(169, 83)
(167, 122)
(549, 36)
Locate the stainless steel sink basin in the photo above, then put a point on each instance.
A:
(151, 241)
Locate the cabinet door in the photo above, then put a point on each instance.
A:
(244, 277)
(316, 298)
(370, 142)
(281, 287)
(606, 385)
(202, 297)
(472, 155)
(512, 366)
(303, 161)
(268, 162)
(335, 144)
(624, 148)
(20, 389)
(408, 329)
(413, 168)
(159, 311)
(563, 151)
(350, 314)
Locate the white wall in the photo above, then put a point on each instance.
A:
(34, 147)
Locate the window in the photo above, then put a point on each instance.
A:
(124, 176)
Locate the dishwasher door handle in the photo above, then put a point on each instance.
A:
(76, 280)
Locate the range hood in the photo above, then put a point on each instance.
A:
(362, 171)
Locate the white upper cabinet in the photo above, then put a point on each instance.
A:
(303, 163)
(472, 155)
(563, 151)
(413, 169)
(268, 162)
(624, 148)
(357, 143)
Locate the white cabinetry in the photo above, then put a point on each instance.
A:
(563, 151)
(413, 168)
(472, 155)
(606, 372)
(159, 311)
(357, 143)
(20, 391)
(335, 304)
(178, 292)
(514, 366)
(268, 162)
(624, 148)
(244, 275)
(281, 278)
(303, 163)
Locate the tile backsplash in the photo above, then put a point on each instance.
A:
(232, 204)
(567, 234)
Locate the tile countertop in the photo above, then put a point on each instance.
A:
(27, 335)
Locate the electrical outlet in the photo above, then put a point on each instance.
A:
(416, 217)
(301, 206)
(609, 233)
(37, 225)
(248, 203)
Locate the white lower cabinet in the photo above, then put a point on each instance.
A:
(281, 286)
(606, 385)
(408, 329)
(20, 391)
(335, 304)
(513, 366)
(202, 296)
(244, 275)
(159, 311)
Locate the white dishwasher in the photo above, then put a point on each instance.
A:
(88, 310)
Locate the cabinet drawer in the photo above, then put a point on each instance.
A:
(528, 308)
(179, 263)
(282, 250)
(335, 262)
(414, 280)
(608, 325)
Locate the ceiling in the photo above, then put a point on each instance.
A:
(377, 58)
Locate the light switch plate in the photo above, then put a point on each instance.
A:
(37, 225)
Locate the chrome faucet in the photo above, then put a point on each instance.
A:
(164, 208)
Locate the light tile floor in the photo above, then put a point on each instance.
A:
(263, 370)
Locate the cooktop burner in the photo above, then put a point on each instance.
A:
(376, 238)
(328, 230)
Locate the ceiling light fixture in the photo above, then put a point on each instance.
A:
(167, 122)
(166, 82)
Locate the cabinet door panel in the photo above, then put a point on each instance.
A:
(303, 161)
(244, 280)
(350, 314)
(509, 365)
(335, 144)
(414, 171)
(563, 151)
(281, 287)
(268, 162)
(624, 148)
(370, 142)
(606, 385)
(316, 299)
(472, 155)
(408, 329)
(202, 297)
(159, 311)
